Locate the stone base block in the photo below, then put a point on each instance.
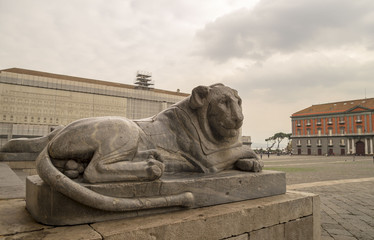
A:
(293, 215)
(50, 207)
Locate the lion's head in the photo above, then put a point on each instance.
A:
(219, 112)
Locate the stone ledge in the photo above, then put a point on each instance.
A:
(267, 216)
(50, 207)
(246, 220)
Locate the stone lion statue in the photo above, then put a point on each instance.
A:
(199, 134)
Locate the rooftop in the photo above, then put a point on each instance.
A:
(86, 80)
(337, 107)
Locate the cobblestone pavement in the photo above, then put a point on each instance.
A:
(346, 189)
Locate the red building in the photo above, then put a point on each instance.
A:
(338, 128)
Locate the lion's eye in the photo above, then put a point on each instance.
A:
(223, 101)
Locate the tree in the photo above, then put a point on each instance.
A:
(278, 138)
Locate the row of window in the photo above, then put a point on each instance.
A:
(318, 121)
(32, 119)
(330, 142)
(342, 131)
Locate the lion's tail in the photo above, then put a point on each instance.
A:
(30, 145)
(59, 182)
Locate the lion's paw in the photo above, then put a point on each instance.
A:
(250, 165)
(155, 169)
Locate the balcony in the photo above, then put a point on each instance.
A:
(341, 122)
(318, 123)
(329, 123)
(358, 121)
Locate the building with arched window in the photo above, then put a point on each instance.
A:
(338, 128)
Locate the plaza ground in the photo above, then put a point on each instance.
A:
(346, 188)
(345, 185)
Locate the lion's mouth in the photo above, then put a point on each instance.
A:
(232, 126)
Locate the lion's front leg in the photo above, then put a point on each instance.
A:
(250, 162)
(250, 165)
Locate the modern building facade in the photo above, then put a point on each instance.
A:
(33, 103)
(340, 128)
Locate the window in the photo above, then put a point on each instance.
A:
(319, 122)
(308, 131)
(330, 131)
(341, 120)
(358, 119)
(329, 121)
(342, 142)
(330, 143)
(319, 131)
(308, 122)
(299, 142)
(342, 130)
(298, 132)
(298, 122)
(308, 142)
(359, 130)
(319, 143)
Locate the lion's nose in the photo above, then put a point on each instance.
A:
(237, 117)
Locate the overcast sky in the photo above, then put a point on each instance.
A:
(281, 55)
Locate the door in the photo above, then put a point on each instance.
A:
(299, 151)
(331, 152)
(309, 151)
(360, 148)
(319, 151)
(342, 151)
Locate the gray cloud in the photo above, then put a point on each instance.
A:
(284, 26)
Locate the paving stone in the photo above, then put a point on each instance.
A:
(81, 232)
(15, 218)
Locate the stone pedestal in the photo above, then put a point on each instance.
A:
(289, 216)
(50, 207)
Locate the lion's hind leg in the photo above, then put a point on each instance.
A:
(121, 165)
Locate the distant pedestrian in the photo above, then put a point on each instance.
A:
(268, 154)
(261, 155)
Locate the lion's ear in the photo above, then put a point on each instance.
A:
(198, 96)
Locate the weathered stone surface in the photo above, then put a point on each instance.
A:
(81, 232)
(200, 134)
(300, 229)
(10, 185)
(235, 221)
(15, 218)
(271, 233)
(51, 207)
(216, 222)
(240, 237)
